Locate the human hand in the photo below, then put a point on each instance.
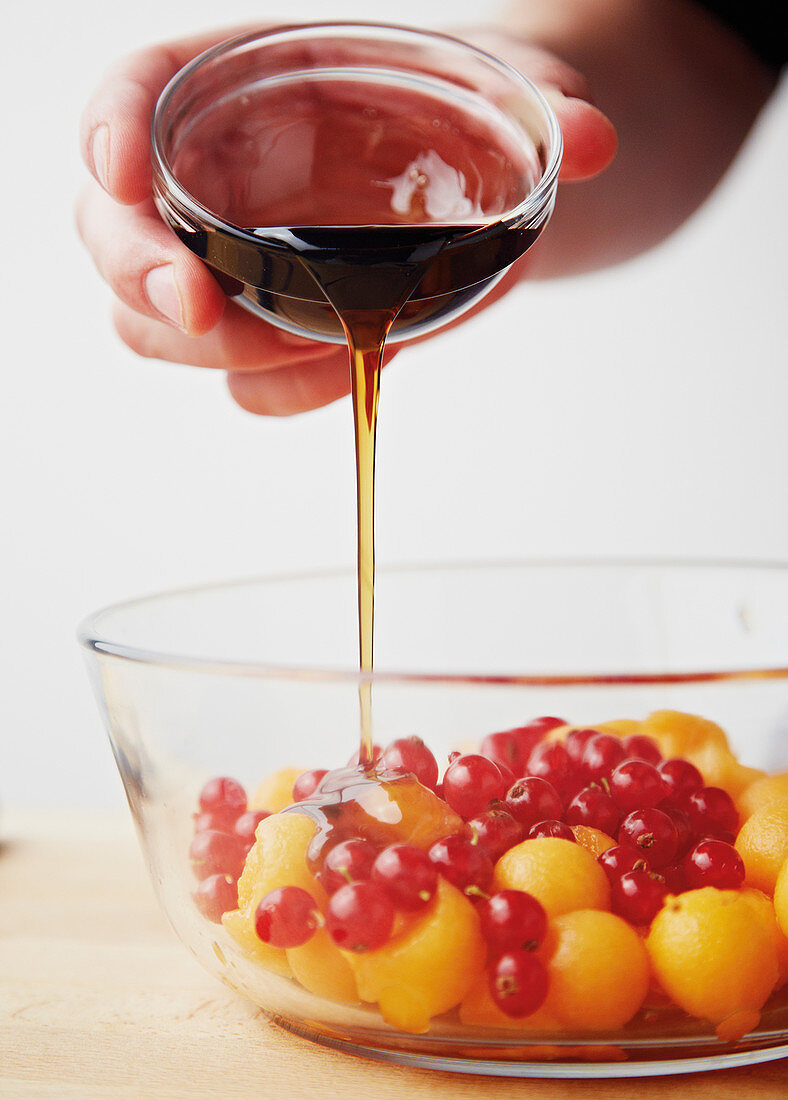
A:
(169, 306)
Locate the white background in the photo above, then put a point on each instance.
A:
(640, 411)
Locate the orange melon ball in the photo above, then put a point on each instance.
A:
(765, 789)
(781, 898)
(277, 858)
(560, 874)
(713, 956)
(428, 967)
(763, 845)
(598, 971)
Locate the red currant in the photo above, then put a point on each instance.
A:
(550, 761)
(464, 864)
(601, 754)
(215, 896)
(407, 874)
(595, 809)
(639, 747)
(531, 800)
(711, 811)
(246, 825)
(652, 832)
(223, 797)
(576, 741)
(471, 783)
(411, 755)
(215, 853)
(504, 749)
(220, 822)
(496, 831)
(518, 983)
(553, 828)
(349, 861)
(683, 828)
(636, 785)
(512, 919)
(307, 783)
(538, 727)
(675, 879)
(287, 917)
(513, 747)
(714, 863)
(622, 858)
(360, 916)
(638, 896)
(681, 779)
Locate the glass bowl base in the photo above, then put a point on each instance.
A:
(549, 1059)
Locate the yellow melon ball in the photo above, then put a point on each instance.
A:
(428, 967)
(678, 733)
(321, 968)
(240, 926)
(560, 874)
(620, 727)
(713, 956)
(277, 858)
(739, 778)
(276, 790)
(765, 789)
(598, 971)
(765, 912)
(763, 845)
(781, 898)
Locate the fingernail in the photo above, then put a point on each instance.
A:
(162, 292)
(99, 151)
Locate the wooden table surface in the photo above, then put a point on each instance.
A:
(99, 1000)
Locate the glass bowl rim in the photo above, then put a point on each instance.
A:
(532, 204)
(91, 638)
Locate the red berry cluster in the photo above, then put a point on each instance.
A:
(223, 834)
(366, 886)
(673, 833)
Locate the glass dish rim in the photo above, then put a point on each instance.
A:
(531, 205)
(97, 642)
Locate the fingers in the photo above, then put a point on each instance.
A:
(270, 372)
(146, 265)
(293, 389)
(590, 139)
(297, 388)
(240, 341)
(115, 127)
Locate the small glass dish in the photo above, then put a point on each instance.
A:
(244, 679)
(354, 149)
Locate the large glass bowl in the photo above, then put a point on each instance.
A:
(242, 679)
